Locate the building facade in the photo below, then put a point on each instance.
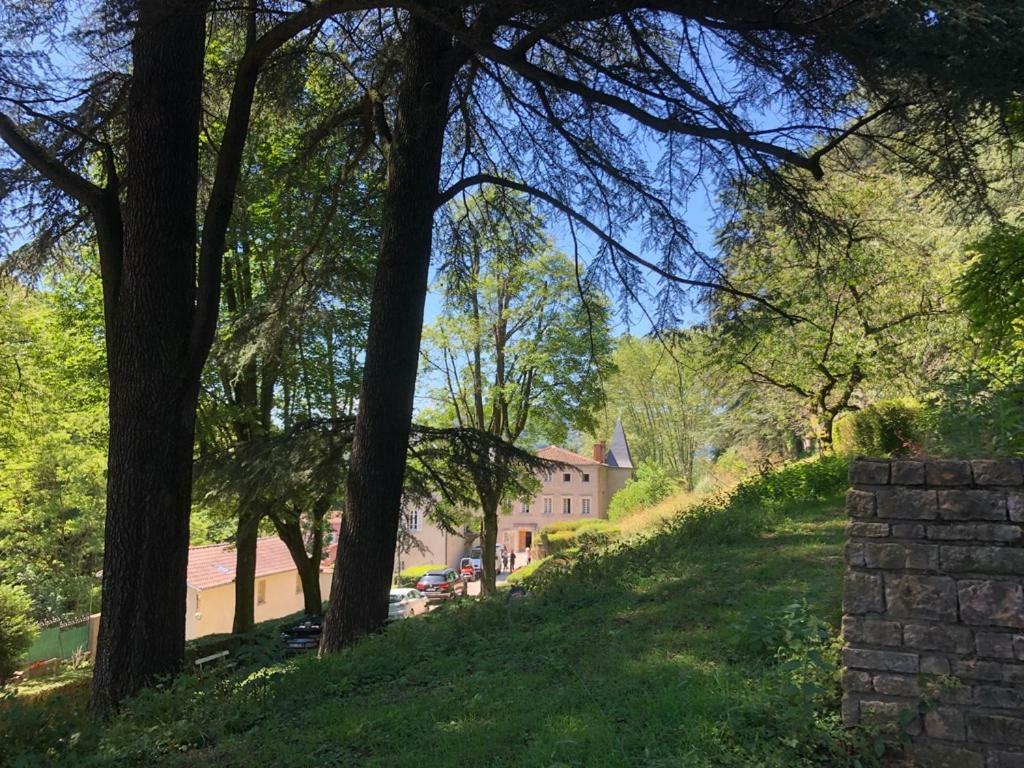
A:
(582, 490)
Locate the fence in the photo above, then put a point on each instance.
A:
(59, 641)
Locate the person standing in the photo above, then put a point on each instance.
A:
(511, 561)
(529, 557)
(504, 560)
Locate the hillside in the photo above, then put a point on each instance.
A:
(706, 643)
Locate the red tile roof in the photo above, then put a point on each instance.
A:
(213, 565)
(554, 453)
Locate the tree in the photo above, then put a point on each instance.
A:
(568, 104)
(658, 388)
(16, 628)
(519, 350)
(870, 309)
(52, 437)
(161, 291)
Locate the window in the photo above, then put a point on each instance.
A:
(298, 584)
(567, 477)
(585, 506)
(586, 477)
(547, 505)
(412, 520)
(566, 505)
(261, 592)
(198, 595)
(525, 509)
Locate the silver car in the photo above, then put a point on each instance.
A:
(406, 602)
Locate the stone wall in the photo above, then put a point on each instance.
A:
(933, 607)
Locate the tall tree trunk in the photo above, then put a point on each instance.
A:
(488, 542)
(246, 540)
(307, 564)
(369, 527)
(153, 385)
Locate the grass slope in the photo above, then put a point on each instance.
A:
(688, 647)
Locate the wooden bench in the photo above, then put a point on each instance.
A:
(200, 663)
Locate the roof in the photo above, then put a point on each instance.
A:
(618, 451)
(554, 453)
(213, 565)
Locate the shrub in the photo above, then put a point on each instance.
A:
(410, 576)
(560, 537)
(651, 484)
(887, 428)
(17, 630)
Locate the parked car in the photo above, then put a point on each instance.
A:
(405, 602)
(468, 569)
(304, 636)
(442, 585)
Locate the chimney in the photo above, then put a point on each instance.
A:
(599, 453)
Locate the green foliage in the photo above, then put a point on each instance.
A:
(652, 483)
(16, 627)
(561, 537)
(53, 434)
(658, 389)
(409, 576)
(869, 312)
(978, 406)
(886, 428)
(991, 289)
(521, 575)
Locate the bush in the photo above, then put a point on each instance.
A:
(17, 630)
(410, 576)
(887, 428)
(651, 484)
(560, 537)
(521, 574)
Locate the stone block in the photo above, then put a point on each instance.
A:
(1018, 647)
(998, 696)
(992, 603)
(947, 472)
(855, 554)
(938, 637)
(934, 665)
(896, 556)
(857, 682)
(921, 597)
(868, 530)
(995, 729)
(850, 710)
(882, 661)
(869, 472)
(896, 685)
(880, 632)
(907, 472)
(1013, 674)
(993, 645)
(860, 503)
(985, 560)
(888, 715)
(1000, 759)
(929, 754)
(862, 593)
(975, 532)
(976, 669)
(907, 530)
(945, 723)
(1015, 506)
(972, 505)
(907, 504)
(997, 471)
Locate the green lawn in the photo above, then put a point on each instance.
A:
(660, 652)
